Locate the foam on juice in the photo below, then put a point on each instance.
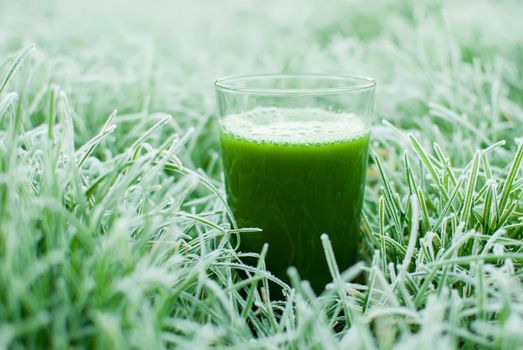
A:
(294, 125)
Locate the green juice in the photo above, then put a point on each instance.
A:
(296, 174)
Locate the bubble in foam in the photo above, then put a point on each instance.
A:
(294, 126)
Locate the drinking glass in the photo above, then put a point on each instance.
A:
(295, 150)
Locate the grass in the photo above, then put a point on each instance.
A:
(114, 232)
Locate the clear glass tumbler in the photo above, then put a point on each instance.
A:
(295, 151)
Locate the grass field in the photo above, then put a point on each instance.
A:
(114, 233)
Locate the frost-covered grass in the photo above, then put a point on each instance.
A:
(113, 228)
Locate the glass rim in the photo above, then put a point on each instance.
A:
(353, 83)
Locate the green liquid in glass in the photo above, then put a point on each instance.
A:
(296, 174)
